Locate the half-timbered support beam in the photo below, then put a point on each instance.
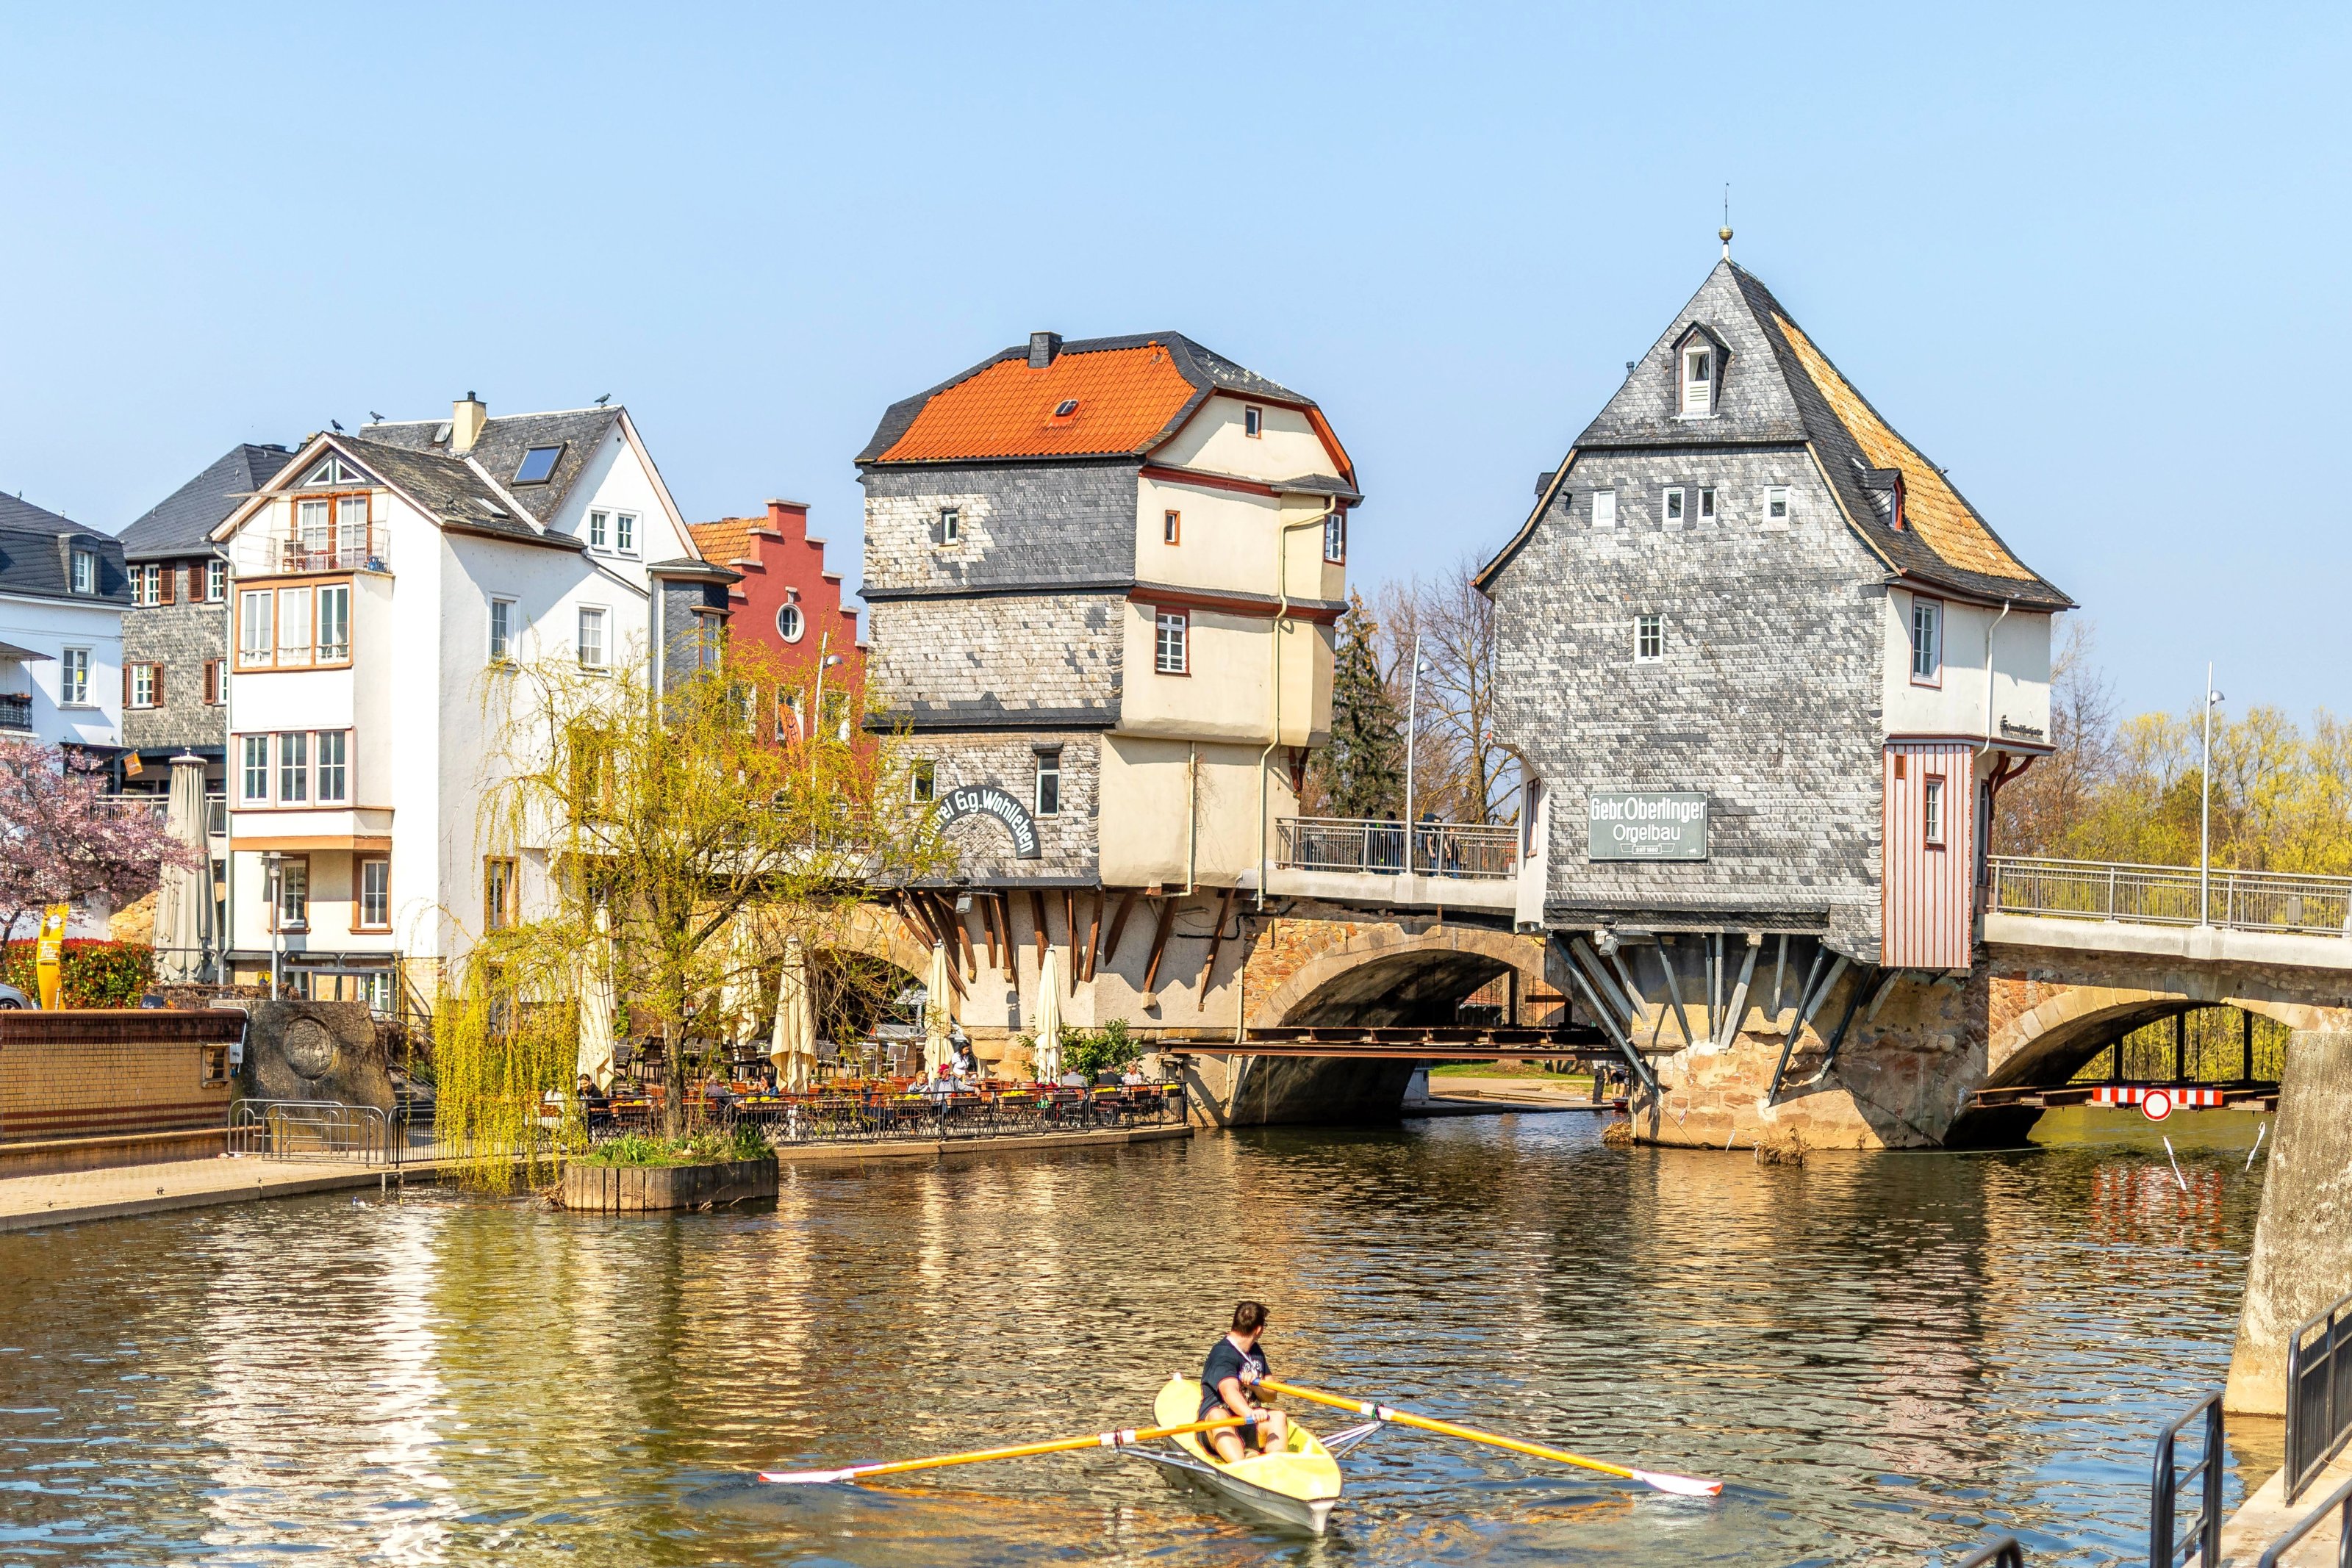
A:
(1159, 946)
(1094, 930)
(1217, 939)
(1037, 908)
(1118, 928)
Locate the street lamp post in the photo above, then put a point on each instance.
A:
(272, 872)
(824, 661)
(2205, 808)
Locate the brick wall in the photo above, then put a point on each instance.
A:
(67, 1074)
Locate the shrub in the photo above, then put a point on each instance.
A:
(1104, 1050)
(91, 973)
(744, 1140)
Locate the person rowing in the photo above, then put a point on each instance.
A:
(1234, 1366)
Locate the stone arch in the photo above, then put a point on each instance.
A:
(2051, 1042)
(1394, 975)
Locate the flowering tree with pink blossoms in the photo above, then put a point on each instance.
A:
(62, 841)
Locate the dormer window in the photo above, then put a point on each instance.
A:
(85, 572)
(1253, 421)
(331, 470)
(1698, 378)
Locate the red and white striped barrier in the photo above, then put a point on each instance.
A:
(2156, 1101)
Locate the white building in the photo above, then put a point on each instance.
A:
(63, 589)
(374, 581)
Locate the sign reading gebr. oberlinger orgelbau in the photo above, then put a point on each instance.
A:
(1647, 825)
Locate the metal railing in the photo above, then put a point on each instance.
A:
(159, 803)
(877, 1116)
(337, 552)
(2203, 1543)
(2168, 896)
(1357, 844)
(2339, 1502)
(316, 1130)
(2002, 1553)
(2318, 1393)
(15, 712)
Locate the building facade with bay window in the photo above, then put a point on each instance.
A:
(377, 585)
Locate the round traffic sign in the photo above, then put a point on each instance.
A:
(2156, 1106)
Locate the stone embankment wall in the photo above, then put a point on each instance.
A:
(2303, 1238)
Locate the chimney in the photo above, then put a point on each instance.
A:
(1043, 348)
(466, 417)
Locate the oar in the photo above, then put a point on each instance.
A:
(1055, 1445)
(1681, 1486)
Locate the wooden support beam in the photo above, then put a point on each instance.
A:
(1117, 926)
(964, 940)
(1037, 908)
(1094, 930)
(1004, 906)
(1070, 936)
(943, 920)
(988, 925)
(1217, 939)
(1159, 945)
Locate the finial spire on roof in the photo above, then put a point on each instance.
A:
(1724, 233)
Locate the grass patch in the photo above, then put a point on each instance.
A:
(1525, 1070)
(694, 1149)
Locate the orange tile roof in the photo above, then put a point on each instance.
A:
(1931, 506)
(729, 538)
(1126, 398)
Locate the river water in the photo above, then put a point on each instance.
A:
(1884, 1356)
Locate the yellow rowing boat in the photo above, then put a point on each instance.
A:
(1297, 1483)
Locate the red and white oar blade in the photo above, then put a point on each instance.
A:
(805, 1477)
(1681, 1486)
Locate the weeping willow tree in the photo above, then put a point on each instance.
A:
(669, 843)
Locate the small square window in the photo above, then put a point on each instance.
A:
(1171, 528)
(1674, 507)
(537, 465)
(1047, 797)
(949, 527)
(923, 783)
(1649, 639)
(1253, 422)
(1604, 508)
(1172, 636)
(1776, 503)
(1706, 505)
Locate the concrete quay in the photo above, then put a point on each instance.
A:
(2265, 1516)
(78, 1196)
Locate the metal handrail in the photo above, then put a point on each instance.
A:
(2002, 1553)
(317, 1130)
(2236, 900)
(369, 550)
(2204, 1547)
(1474, 850)
(2318, 1394)
(2339, 1503)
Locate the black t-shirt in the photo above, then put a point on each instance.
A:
(1225, 1362)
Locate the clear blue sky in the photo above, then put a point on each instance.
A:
(2091, 262)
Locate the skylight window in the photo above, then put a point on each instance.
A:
(1067, 407)
(537, 465)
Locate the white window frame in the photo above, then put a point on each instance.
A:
(502, 628)
(142, 685)
(291, 910)
(1675, 506)
(923, 781)
(799, 627)
(1777, 496)
(600, 521)
(625, 538)
(1707, 382)
(1649, 639)
(147, 585)
(380, 894)
(950, 520)
(1927, 623)
(1253, 422)
(600, 617)
(338, 772)
(1706, 503)
(302, 654)
(216, 581)
(1335, 537)
(1181, 621)
(1931, 811)
(73, 679)
(1049, 774)
(249, 653)
(85, 572)
(1604, 508)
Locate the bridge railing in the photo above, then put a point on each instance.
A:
(1388, 848)
(2168, 896)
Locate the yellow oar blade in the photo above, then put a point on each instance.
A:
(1117, 1439)
(1681, 1486)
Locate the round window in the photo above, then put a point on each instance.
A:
(788, 622)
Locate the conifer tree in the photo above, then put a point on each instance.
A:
(1361, 772)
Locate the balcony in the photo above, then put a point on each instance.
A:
(1468, 865)
(335, 550)
(15, 715)
(160, 805)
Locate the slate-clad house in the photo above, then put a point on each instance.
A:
(1765, 664)
(175, 633)
(1102, 577)
(62, 593)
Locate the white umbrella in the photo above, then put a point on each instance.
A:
(183, 904)
(1049, 1016)
(936, 1056)
(597, 1009)
(739, 995)
(793, 1047)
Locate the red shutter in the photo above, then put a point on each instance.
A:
(126, 684)
(155, 679)
(212, 679)
(170, 581)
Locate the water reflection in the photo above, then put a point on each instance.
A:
(1886, 1355)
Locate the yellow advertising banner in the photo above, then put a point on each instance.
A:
(49, 952)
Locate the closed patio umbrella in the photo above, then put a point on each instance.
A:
(936, 1018)
(184, 903)
(597, 1008)
(1049, 1017)
(794, 1048)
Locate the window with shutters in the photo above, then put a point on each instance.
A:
(144, 682)
(215, 681)
(170, 585)
(147, 584)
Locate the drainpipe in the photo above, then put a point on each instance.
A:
(1281, 614)
(1191, 813)
(1990, 627)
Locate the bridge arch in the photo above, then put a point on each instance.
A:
(1393, 975)
(2050, 1042)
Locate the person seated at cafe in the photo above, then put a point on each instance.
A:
(1072, 1080)
(1133, 1077)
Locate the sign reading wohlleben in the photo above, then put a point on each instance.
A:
(988, 800)
(1647, 825)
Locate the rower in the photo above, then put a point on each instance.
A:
(1234, 1366)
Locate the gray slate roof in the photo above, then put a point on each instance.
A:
(501, 447)
(15, 513)
(447, 487)
(181, 523)
(34, 548)
(1208, 370)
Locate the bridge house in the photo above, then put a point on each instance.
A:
(1102, 577)
(1767, 669)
